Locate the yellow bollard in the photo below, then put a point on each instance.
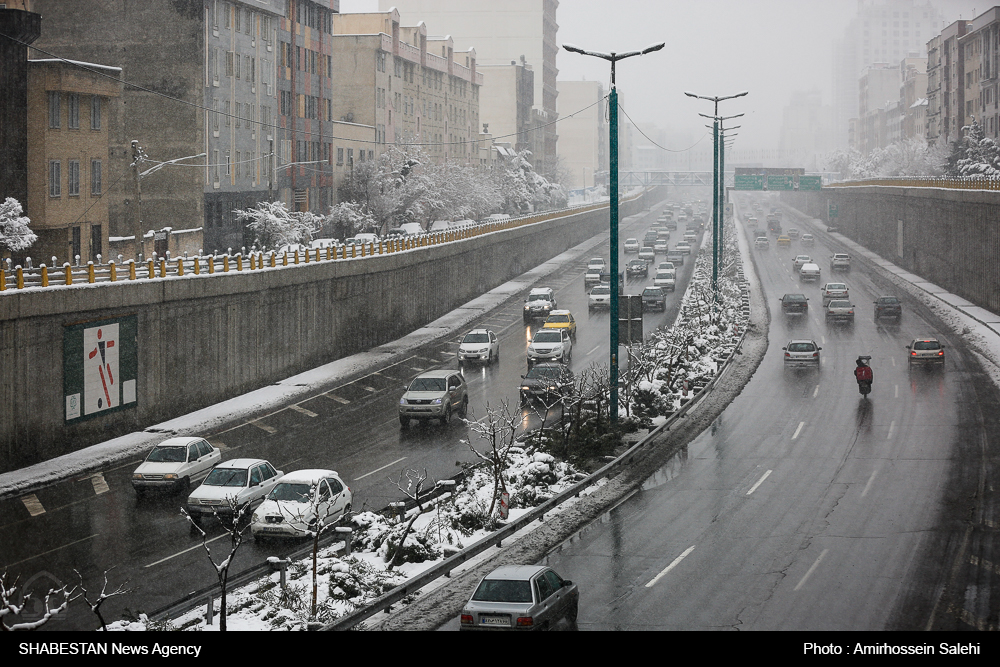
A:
(211, 263)
(197, 266)
(69, 273)
(239, 262)
(284, 258)
(150, 272)
(252, 263)
(180, 266)
(225, 263)
(163, 268)
(20, 278)
(3, 279)
(354, 251)
(131, 270)
(296, 256)
(273, 260)
(90, 272)
(317, 254)
(45, 276)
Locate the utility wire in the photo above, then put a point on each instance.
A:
(669, 150)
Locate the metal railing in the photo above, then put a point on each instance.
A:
(969, 183)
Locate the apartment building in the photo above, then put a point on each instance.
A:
(584, 136)
(945, 84)
(980, 53)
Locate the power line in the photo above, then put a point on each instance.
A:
(669, 150)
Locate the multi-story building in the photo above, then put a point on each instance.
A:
(946, 84)
(979, 49)
(502, 32)
(878, 89)
(17, 20)
(71, 105)
(806, 129)
(584, 136)
(506, 102)
(913, 98)
(882, 31)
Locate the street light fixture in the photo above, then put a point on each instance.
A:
(613, 204)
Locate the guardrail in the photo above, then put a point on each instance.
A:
(19, 278)
(985, 183)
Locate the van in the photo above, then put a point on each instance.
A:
(362, 239)
(412, 228)
(809, 273)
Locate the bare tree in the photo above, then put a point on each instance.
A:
(234, 522)
(95, 605)
(8, 606)
(415, 491)
(500, 429)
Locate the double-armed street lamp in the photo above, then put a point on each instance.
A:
(613, 204)
(716, 180)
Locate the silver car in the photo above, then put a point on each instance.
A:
(434, 395)
(926, 350)
(802, 354)
(521, 597)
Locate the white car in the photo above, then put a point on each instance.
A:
(479, 345)
(301, 502)
(550, 345)
(684, 247)
(690, 236)
(592, 276)
(665, 279)
(761, 243)
(631, 245)
(174, 463)
(802, 354)
(246, 481)
(600, 297)
(833, 291)
(800, 260)
(597, 263)
(807, 240)
(647, 253)
(665, 266)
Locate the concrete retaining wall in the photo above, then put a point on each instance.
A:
(950, 237)
(204, 339)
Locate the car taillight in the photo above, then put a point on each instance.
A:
(940, 353)
(525, 622)
(815, 354)
(787, 354)
(913, 353)
(466, 619)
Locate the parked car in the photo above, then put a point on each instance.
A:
(761, 243)
(888, 306)
(362, 239)
(434, 395)
(521, 597)
(800, 260)
(245, 481)
(802, 354)
(665, 279)
(561, 319)
(840, 310)
(174, 464)
(653, 298)
(548, 381)
(479, 345)
(840, 261)
(540, 302)
(631, 245)
(599, 297)
(807, 241)
(675, 257)
(809, 273)
(637, 267)
(300, 503)
(794, 304)
(550, 345)
(831, 291)
(925, 350)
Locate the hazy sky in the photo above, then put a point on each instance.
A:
(714, 47)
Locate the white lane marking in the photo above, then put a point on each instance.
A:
(759, 482)
(264, 427)
(307, 413)
(369, 389)
(32, 504)
(822, 339)
(100, 484)
(816, 391)
(897, 391)
(893, 360)
(798, 430)
(596, 348)
(811, 569)
(892, 429)
(378, 469)
(197, 546)
(45, 553)
(336, 398)
(671, 566)
(869, 484)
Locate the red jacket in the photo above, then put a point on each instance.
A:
(863, 373)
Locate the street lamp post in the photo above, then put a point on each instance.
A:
(613, 204)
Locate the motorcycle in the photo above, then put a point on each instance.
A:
(864, 385)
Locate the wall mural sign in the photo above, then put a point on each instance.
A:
(100, 363)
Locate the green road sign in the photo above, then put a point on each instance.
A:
(833, 211)
(780, 182)
(748, 182)
(810, 182)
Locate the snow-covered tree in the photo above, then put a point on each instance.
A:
(981, 154)
(274, 226)
(10, 608)
(347, 219)
(15, 235)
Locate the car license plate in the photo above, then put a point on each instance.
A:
(270, 530)
(502, 621)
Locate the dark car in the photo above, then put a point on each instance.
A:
(548, 381)
(637, 267)
(654, 298)
(888, 306)
(794, 304)
(521, 597)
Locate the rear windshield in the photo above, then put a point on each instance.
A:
(427, 384)
(795, 297)
(652, 291)
(840, 304)
(838, 286)
(926, 345)
(888, 299)
(601, 290)
(503, 590)
(801, 347)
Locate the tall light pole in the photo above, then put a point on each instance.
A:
(613, 193)
(716, 222)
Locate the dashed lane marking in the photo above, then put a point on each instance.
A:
(32, 504)
(892, 429)
(307, 413)
(380, 469)
(264, 427)
(798, 430)
(672, 565)
(759, 481)
(369, 389)
(334, 397)
(100, 484)
(802, 581)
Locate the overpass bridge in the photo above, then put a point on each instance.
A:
(654, 178)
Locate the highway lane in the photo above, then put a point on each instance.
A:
(806, 507)
(95, 522)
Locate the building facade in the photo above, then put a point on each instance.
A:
(584, 136)
(945, 84)
(506, 103)
(502, 32)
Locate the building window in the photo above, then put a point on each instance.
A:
(229, 63)
(73, 178)
(73, 112)
(95, 112)
(55, 174)
(54, 110)
(95, 177)
(340, 156)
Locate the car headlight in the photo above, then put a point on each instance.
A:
(525, 388)
(256, 518)
(436, 401)
(136, 475)
(527, 307)
(170, 475)
(402, 401)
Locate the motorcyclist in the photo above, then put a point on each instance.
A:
(863, 373)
